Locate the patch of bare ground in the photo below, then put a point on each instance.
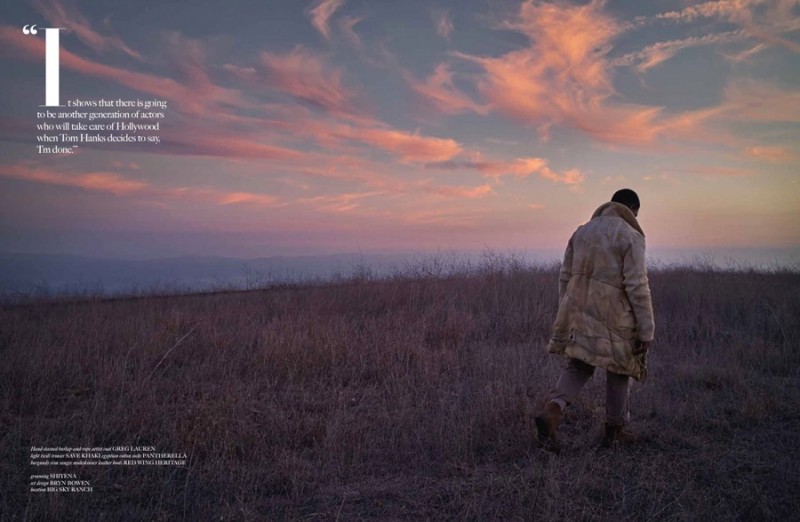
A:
(402, 399)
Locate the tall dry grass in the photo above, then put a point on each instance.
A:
(403, 398)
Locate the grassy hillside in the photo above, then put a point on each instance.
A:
(403, 399)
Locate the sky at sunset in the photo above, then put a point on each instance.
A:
(314, 127)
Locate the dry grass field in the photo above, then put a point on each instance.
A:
(404, 398)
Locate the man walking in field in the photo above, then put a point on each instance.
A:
(605, 316)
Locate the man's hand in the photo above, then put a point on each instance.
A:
(641, 347)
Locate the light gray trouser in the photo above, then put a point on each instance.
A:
(575, 376)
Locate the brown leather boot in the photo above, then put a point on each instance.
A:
(547, 427)
(616, 435)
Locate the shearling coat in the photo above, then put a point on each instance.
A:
(604, 295)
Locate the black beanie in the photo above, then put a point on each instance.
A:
(627, 197)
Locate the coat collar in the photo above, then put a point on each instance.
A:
(613, 208)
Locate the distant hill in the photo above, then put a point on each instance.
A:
(58, 274)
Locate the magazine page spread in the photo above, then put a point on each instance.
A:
(418, 260)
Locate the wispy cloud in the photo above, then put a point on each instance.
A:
(440, 92)
(722, 172)
(217, 197)
(406, 146)
(444, 23)
(306, 76)
(321, 13)
(232, 198)
(745, 55)
(758, 101)
(772, 154)
(655, 54)
(463, 192)
(562, 77)
(335, 135)
(347, 25)
(620, 179)
(108, 182)
(338, 203)
(448, 219)
(350, 168)
(127, 166)
(64, 15)
(663, 176)
(189, 59)
(764, 20)
(520, 168)
(122, 186)
(722, 8)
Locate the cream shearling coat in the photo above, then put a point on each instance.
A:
(604, 295)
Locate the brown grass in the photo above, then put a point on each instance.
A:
(405, 398)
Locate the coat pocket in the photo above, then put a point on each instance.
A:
(622, 326)
(624, 320)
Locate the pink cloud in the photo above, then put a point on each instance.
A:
(657, 53)
(723, 172)
(189, 57)
(772, 154)
(444, 24)
(350, 168)
(212, 196)
(114, 183)
(334, 135)
(563, 76)
(122, 165)
(294, 123)
(338, 203)
(347, 26)
(440, 92)
(232, 198)
(463, 192)
(764, 20)
(94, 181)
(520, 167)
(745, 55)
(305, 76)
(408, 147)
(572, 177)
(757, 101)
(743, 101)
(58, 14)
(769, 37)
(724, 9)
(109, 182)
(321, 14)
(448, 219)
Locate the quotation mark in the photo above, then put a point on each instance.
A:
(32, 29)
